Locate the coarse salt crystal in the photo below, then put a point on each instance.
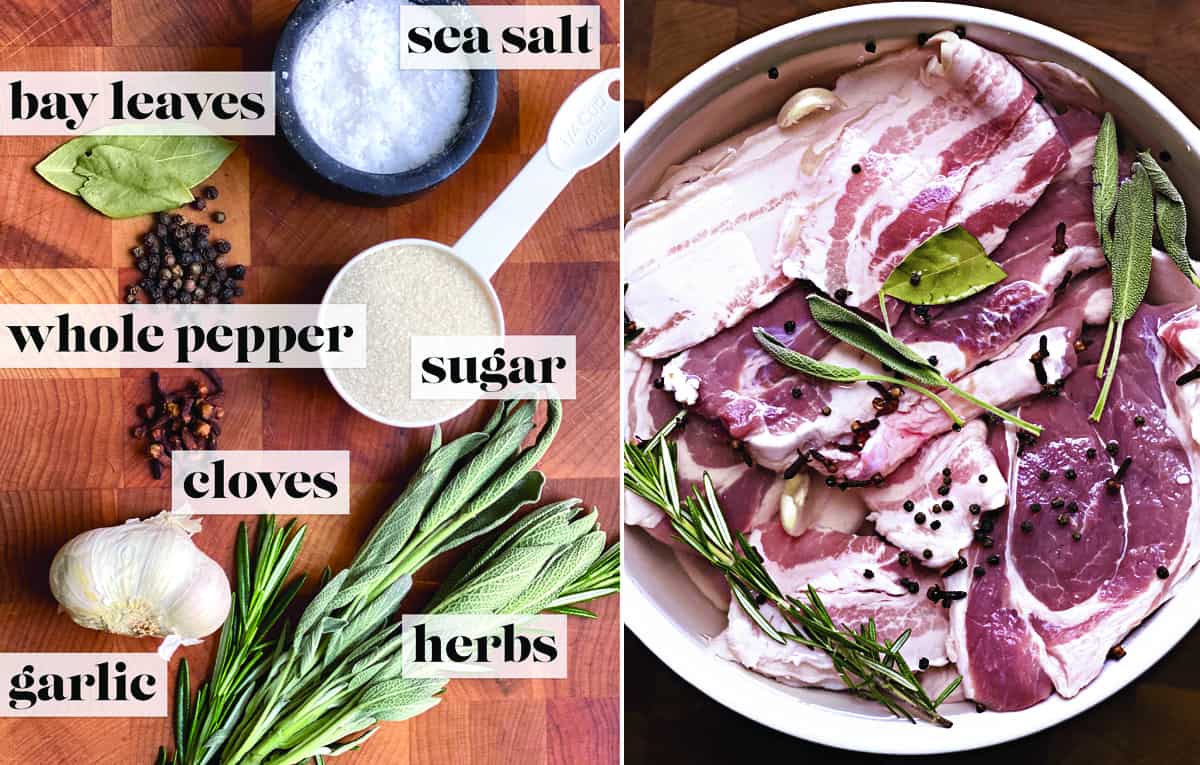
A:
(359, 105)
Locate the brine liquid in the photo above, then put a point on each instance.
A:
(409, 290)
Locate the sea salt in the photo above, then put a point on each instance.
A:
(409, 290)
(359, 105)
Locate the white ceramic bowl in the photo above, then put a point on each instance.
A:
(730, 92)
(341, 390)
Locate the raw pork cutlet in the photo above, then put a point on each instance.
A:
(1054, 241)
(1004, 382)
(1092, 542)
(748, 495)
(858, 578)
(931, 504)
(844, 195)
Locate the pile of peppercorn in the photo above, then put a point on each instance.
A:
(180, 264)
(185, 419)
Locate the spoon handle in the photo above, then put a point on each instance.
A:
(585, 129)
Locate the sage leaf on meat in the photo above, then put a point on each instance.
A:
(1170, 215)
(1130, 261)
(1105, 180)
(854, 330)
(833, 373)
(949, 266)
(122, 183)
(190, 158)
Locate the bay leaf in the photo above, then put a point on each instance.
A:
(121, 183)
(952, 265)
(191, 158)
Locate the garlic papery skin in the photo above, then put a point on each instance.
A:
(142, 578)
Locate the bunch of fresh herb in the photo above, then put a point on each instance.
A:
(260, 597)
(856, 331)
(337, 673)
(127, 175)
(870, 667)
(1127, 215)
(949, 266)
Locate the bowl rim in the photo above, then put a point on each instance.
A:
(766, 701)
(481, 113)
(343, 394)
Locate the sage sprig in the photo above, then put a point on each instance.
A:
(1106, 158)
(1130, 258)
(856, 331)
(337, 674)
(1170, 215)
(870, 667)
(832, 373)
(260, 597)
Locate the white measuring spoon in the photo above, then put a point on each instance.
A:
(585, 129)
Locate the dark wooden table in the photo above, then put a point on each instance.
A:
(67, 463)
(1156, 719)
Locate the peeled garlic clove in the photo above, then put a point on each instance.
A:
(142, 578)
(805, 103)
(791, 505)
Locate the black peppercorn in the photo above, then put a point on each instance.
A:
(1139, 421)
(975, 509)
(1063, 519)
(1035, 507)
(222, 246)
(933, 361)
(237, 272)
(797, 392)
(841, 294)
(919, 518)
(927, 554)
(773, 73)
(993, 560)
(979, 571)
(903, 558)
(947, 505)
(908, 505)
(935, 525)
(856, 168)
(871, 46)
(825, 410)
(199, 204)
(943, 490)
(1163, 572)
(1091, 453)
(1112, 448)
(1071, 474)
(789, 326)
(211, 192)
(923, 663)
(1027, 526)
(1044, 475)
(914, 278)
(869, 574)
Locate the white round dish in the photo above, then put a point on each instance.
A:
(659, 603)
(341, 390)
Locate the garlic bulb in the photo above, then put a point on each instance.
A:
(142, 578)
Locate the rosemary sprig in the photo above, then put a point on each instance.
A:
(260, 598)
(871, 668)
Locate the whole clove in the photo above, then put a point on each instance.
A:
(187, 419)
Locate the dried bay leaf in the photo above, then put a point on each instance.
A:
(191, 158)
(121, 183)
(949, 266)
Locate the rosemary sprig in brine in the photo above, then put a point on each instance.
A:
(870, 667)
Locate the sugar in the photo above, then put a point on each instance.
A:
(409, 290)
(359, 105)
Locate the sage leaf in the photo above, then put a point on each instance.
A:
(1133, 242)
(1171, 216)
(851, 328)
(190, 158)
(121, 183)
(1105, 168)
(801, 363)
(950, 266)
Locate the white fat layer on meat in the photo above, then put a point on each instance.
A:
(685, 387)
(965, 449)
(951, 359)
(1168, 284)
(1186, 325)
(1098, 307)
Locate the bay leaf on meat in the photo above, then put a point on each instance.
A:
(191, 158)
(121, 183)
(949, 266)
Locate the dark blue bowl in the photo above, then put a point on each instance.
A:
(480, 110)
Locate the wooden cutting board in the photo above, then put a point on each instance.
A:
(67, 463)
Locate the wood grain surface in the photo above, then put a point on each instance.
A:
(67, 463)
(1154, 720)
